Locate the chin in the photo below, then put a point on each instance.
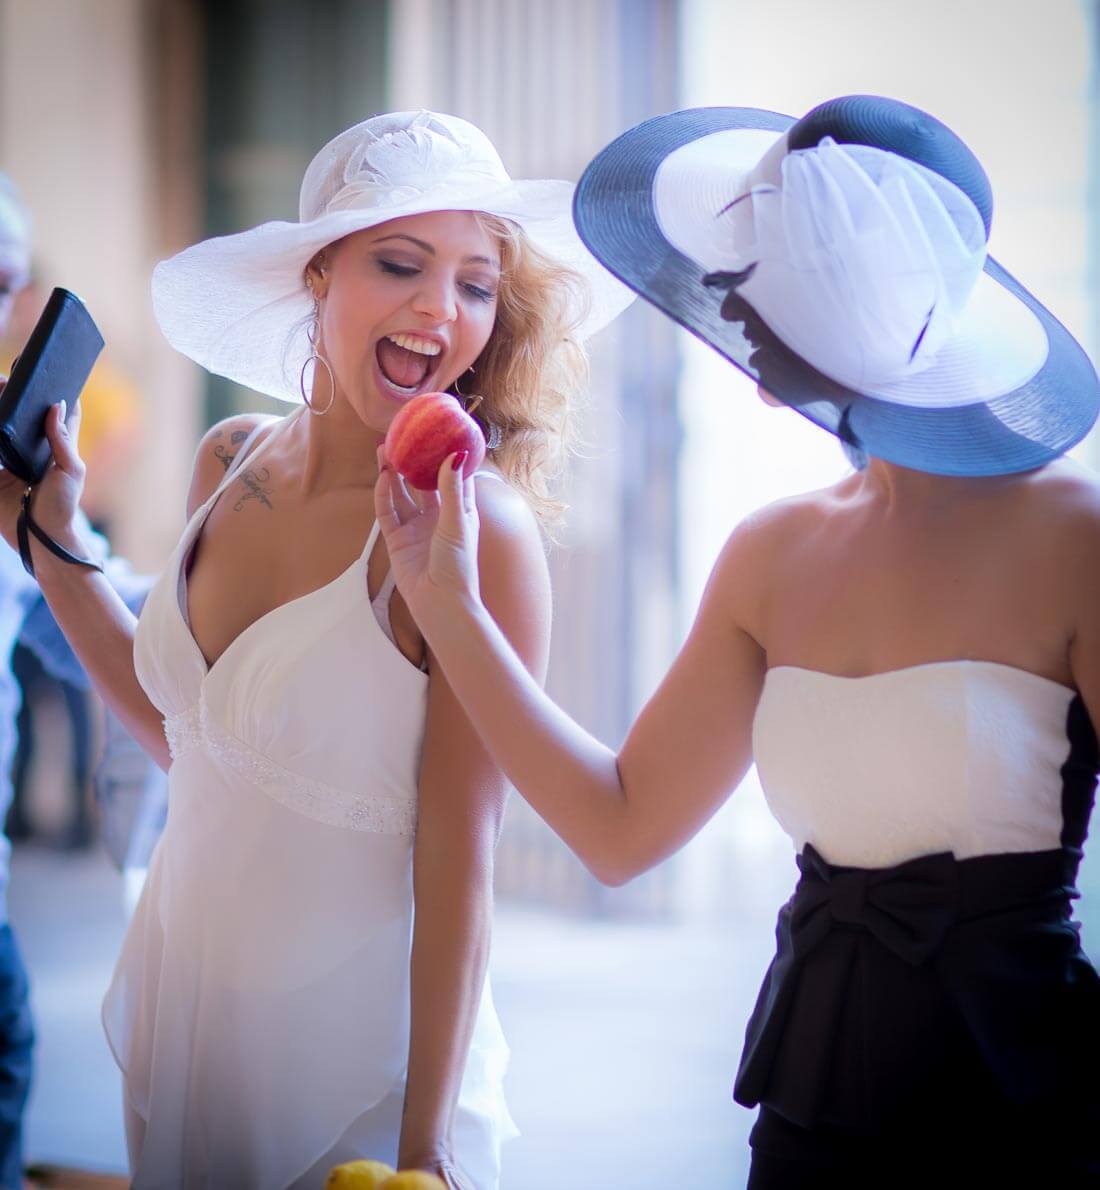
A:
(376, 414)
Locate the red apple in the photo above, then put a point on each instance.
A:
(425, 431)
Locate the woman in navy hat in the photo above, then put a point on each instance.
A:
(911, 657)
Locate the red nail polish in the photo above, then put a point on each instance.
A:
(458, 460)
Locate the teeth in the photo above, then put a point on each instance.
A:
(415, 343)
(401, 388)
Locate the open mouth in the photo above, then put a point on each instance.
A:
(407, 362)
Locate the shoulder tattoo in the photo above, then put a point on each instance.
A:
(254, 482)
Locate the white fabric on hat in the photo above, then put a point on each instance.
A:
(238, 304)
(855, 250)
(390, 160)
(864, 261)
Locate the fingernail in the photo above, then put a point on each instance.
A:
(458, 460)
(64, 409)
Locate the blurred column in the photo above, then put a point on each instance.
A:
(88, 133)
(282, 77)
(551, 85)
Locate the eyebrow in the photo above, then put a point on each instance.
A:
(431, 251)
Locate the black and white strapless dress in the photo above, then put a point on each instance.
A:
(929, 990)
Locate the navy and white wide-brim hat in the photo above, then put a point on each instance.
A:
(840, 261)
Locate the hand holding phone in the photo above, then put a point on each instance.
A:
(53, 366)
(51, 371)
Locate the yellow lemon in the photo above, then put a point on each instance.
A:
(358, 1175)
(413, 1179)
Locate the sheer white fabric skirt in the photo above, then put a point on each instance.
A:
(259, 1010)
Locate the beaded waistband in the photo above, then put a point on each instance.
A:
(374, 813)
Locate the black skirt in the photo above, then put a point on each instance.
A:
(936, 1020)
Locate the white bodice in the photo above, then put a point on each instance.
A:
(960, 756)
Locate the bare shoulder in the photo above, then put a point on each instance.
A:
(1063, 501)
(512, 561)
(759, 552)
(504, 514)
(215, 454)
(1070, 487)
(776, 524)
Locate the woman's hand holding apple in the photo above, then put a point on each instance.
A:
(431, 538)
(428, 429)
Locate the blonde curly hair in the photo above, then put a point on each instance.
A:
(532, 371)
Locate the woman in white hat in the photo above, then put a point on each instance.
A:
(275, 1009)
(911, 657)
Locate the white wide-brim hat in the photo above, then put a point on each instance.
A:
(238, 305)
(840, 260)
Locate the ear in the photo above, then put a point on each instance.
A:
(316, 275)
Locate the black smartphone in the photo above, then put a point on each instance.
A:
(52, 367)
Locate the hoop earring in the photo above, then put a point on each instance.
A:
(315, 357)
(458, 392)
(493, 435)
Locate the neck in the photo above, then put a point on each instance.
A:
(340, 451)
(904, 489)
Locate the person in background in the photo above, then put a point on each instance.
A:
(111, 429)
(24, 617)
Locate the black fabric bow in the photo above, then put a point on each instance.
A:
(880, 972)
(908, 908)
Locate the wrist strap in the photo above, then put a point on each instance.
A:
(25, 522)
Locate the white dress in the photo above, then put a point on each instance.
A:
(260, 1007)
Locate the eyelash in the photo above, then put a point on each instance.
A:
(400, 270)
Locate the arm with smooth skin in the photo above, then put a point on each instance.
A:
(624, 811)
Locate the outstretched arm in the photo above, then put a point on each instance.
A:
(620, 812)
